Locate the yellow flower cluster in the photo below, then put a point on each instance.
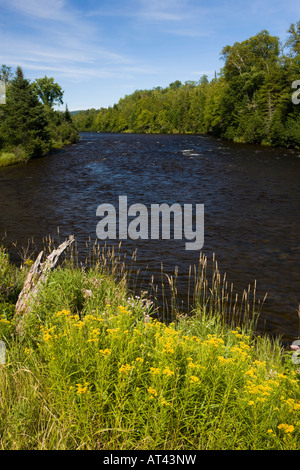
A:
(168, 339)
(125, 369)
(124, 310)
(154, 370)
(261, 391)
(94, 335)
(152, 391)
(48, 333)
(287, 428)
(167, 371)
(63, 312)
(293, 406)
(139, 359)
(81, 389)
(192, 365)
(194, 379)
(213, 340)
(241, 350)
(105, 352)
(112, 331)
(223, 360)
(164, 402)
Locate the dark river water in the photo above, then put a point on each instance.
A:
(251, 196)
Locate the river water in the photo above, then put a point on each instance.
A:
(251, 196)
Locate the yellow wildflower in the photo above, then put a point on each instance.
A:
(224, 360)
(105, 352)
(164, 402)
(154, 370)
(194, 379)
(152, 391)
(125, 369)
(167, 371)
(112, 331)
(81, 389)
(28, 262)
(287, 428)
(139, 359)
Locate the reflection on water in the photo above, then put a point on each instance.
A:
(251, 197)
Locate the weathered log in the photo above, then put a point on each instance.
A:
(36, 277)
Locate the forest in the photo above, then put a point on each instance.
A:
(253, 99)
(29, 126)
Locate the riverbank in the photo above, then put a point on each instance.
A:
(10, 158)
(29, 126)
(96, 369)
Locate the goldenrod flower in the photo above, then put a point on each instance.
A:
(105, 352)
(152, 391)
(194, 379)
(81, 389)
(167, 371)
(139, 359)
(164, 402)
(28, 262)
(287, 428)
(125, 369)
(112, 331)
(154, 370)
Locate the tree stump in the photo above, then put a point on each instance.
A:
(36, 277)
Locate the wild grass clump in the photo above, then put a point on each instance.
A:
(11, 158)
(95, 369)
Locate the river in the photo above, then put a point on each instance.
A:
(251, 196)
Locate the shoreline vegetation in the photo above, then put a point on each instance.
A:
(252, 100)
(29, 126)
(97, 367)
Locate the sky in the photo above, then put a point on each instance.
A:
(101, 50)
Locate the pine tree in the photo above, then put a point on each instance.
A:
(23, 124)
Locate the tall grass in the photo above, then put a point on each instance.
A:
(96, 369)
(11, 158)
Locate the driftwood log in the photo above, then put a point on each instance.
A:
(36, 277)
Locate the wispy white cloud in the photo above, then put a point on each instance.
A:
(162, 10)
(41, 9)
(62, 42)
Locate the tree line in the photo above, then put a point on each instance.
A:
(29, 126)
(249, 101)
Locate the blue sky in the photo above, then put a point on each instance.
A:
(102, 50)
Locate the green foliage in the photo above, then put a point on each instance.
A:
(251, 100)
(28, 128)
(5, 74)
(24, 119)
(49, 92)
(95, 370)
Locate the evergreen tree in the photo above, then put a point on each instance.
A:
(23, 125)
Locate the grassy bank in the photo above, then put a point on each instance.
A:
(96, 369)
(10, 158)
